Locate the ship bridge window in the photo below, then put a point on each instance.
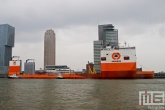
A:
(126, 58)
(103, 58)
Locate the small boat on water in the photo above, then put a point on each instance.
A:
(13, 76)
(59, 76)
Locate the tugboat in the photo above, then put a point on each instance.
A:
(59, 76)
(13, 76)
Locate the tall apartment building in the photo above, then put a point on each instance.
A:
(7, 35)
(107, 36)
(49, 48)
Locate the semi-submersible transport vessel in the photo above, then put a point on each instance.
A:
(116, 63)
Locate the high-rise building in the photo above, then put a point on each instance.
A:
(107, 36)
(97, 45)
(49, 48)
(7, 35)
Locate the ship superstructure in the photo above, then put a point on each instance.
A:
(118, 61)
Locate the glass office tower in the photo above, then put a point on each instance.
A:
(108, 34)
(7, 35)
(97, 47)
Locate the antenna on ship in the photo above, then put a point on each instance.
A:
(125, 43)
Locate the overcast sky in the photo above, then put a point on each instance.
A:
(140, 23)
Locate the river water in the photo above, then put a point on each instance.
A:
(75, 94)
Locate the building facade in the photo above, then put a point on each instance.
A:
(7, 36)
(49, 48)
(107, 36)
(97, 45)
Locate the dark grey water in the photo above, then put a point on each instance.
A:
(68, 94)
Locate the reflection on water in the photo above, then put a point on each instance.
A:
(69, 94)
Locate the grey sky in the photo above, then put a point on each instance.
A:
(141, 23)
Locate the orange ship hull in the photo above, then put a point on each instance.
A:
(114, 71)
(112, 75)
(108, 71)
(36, 76)
(39, 76)
(118, 67)
(103, 75)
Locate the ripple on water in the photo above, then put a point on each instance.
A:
(86, 94)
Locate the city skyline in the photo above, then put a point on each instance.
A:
(139, 23)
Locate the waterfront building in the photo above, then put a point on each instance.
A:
(49, 48)
(107, 36)
(7, 36)
(97, 45)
